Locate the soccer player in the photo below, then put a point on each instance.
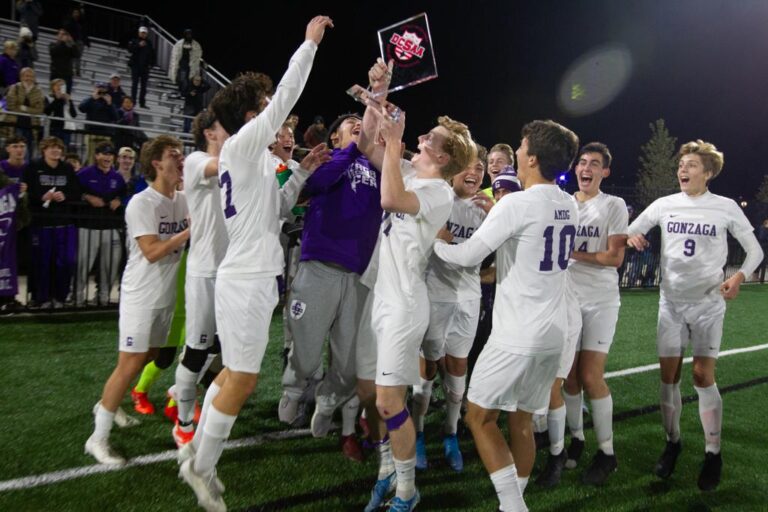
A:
(694, 228)
(157, 231)
(592, 277)
(246, 284)
(533, 233)
(418, 202)
(454, 297)
(208, 243)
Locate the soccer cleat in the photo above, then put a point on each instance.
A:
(452, 453)
(553, 471)
(180, 436)
(320, 424)
(187, 452)
(599, 469)
(400, 505)
(711, 469)
(666, 464)
(171, 409)
(141, 402)
(575, 449)
(208, 496)
(381, 490)
(541, 439)
(351, 448)
(287, 409)
(363, 422)
(421, 452)
(102, 452)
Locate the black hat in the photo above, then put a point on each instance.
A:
(335, 125)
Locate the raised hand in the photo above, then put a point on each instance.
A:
(391, 123)
(379, 76)
(316, 28)
(481, 200)
(315, 158)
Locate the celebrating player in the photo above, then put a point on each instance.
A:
(694, 227)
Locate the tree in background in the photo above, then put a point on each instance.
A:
(657, 176)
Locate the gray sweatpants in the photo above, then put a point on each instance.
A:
(106, 244)
(324, 301)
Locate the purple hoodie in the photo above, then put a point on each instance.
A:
(9, 69)
(344, 215)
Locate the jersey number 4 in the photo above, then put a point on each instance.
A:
(567, 239)
(226, 184)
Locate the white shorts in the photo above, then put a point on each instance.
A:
(452, 329)
(365, 343)
(142, 329)
(572, 337)
(244, 308)
(598, 326)
(399, 333)
(505, 381)
(681, 324)
(201, 312)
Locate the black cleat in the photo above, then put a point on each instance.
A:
(541, 439)
(553, 471)
(709, 478)
(599, 469)
(574, 452)
(666, 464)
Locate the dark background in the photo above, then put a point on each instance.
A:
(699, 64)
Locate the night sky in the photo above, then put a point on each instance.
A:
(699, 64)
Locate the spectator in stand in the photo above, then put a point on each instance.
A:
(12, 219)
(60, 104)
(29, 14)
(53, 191)
(75, 26)
(762, 233)
(185, 61)
(98, 107)
(14, 166)
(142, 59)
(25, 96)
(194, 98)
(127, 168)
(63, 53)
(74, 160)
(316, 133)
(99, 232)
(129, 117)
(298, 137)
(9, 67)
(27, 50)
(115, 89)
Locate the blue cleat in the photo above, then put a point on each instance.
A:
(452, 452)
(383, 487)
(421, 452)
(401, 505)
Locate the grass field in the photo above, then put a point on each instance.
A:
(54, 368)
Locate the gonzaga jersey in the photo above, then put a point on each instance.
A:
(694, 242)
(208, 235)
(249, 190)
(533, 233)
(599, 218)
(406, 240)
(148, 285)
(451, 283)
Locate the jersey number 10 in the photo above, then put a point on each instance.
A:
(567, 240)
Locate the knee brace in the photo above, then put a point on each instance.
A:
(165, 357)
(194, 359)
(397, 421)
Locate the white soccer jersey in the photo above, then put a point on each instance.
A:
(599, 218)
(532, 233)
(250, 197)
(406, 240)
(148, 285)
(451, 283)
(694, 242)
(208, 235)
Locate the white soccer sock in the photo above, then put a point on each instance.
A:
(349, 415)
(421, 395)
(386, 462)
(213, 390)
(522, 482)
(406, 478)
(574, 414)
(455, 387)
(602, 417)
(556, 428)
(671, 407)
(539, 423)
(102, 423)
(186, 391)
(508, 490)
(711, 414)
(217, 429)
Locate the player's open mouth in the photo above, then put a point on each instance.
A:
(470, 181)
(288, 147)
(684, 179)
(356, 132)
(585, 180)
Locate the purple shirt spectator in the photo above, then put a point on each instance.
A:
(14, 173)
(107, 186)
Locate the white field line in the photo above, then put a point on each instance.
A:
(28, 482)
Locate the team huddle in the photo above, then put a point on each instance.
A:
(389, 270)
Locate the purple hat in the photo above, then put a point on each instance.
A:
(507, 180)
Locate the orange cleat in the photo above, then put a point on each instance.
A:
(141, 403)
(180, 436)
(351, 448)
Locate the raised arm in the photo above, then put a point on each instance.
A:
(379, 77)
(394, 197)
